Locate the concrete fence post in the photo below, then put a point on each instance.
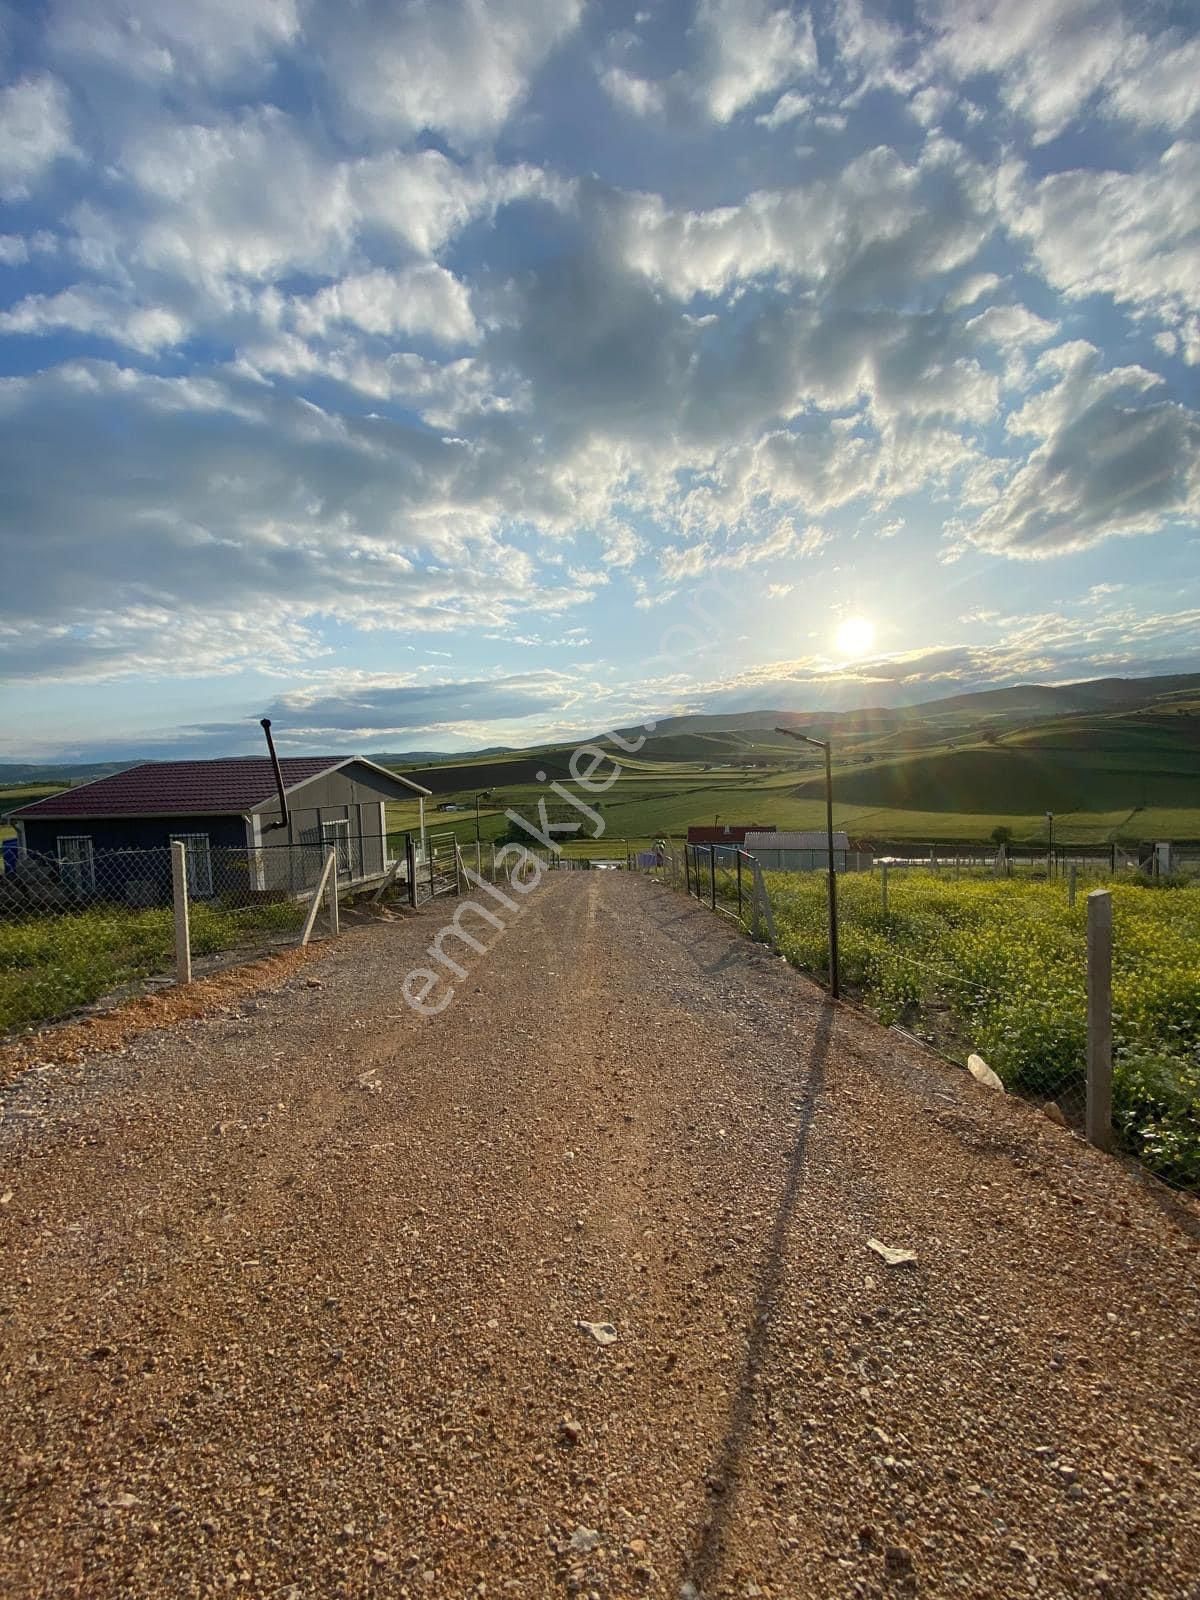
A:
(179, 894)
(884, 884)
(334, 919)
(1099, 1019)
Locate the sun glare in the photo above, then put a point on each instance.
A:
(855, 636)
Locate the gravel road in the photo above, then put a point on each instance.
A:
(291, 1296)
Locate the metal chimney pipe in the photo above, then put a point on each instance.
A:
(284, 818)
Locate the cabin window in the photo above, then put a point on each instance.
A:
(76, 863)
(199, 863)
(336, 832)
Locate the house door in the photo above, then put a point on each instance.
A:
(199, 863)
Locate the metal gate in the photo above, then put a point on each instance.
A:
(440, 870)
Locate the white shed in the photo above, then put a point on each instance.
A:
(803, 851)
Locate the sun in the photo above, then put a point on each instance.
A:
(855, 636)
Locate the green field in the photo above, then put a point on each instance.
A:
(1117, 759)
(951, 771)
(20, 794)
(999, 966)
(50, 965)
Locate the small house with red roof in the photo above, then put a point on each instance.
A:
(228, 814)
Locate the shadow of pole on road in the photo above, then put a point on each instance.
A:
(702, 1567)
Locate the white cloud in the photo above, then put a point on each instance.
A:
(743, 50)
(879, 219)
(750, 48)
(637, 95)
(14, 252)
(1051, 56)
(35, 132)
(1131, 235)
(972, 289)
(248, 198)
(1158, 82)
(140, 327)
(460, 67)
(786, 109)
(1014, 330)
(424, 199)
(1110, 459)
(197, 493)
(208, 39)
(870, 43)
(425, 300)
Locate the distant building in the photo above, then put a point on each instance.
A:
(724, 832)
(806, 851)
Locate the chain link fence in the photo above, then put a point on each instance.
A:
(78, 928)
(969, 961)
(89, 927)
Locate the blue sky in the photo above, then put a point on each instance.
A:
(431, 375)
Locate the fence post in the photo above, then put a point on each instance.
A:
(334, 920)
(1099, 1019)
(1072, 878)
(883, 867)
(687, 871)
(410, 855)
(712, 873)
(739, 878)
(179, 894)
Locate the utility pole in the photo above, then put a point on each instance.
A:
(483, 794)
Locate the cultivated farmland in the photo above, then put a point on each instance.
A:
(999, 966)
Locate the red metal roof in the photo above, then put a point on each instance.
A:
(724, 833)
(181, 788)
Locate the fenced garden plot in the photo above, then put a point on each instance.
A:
(1000, 967)
(76, 928)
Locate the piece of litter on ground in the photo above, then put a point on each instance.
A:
(893, 1256)
(982, 1073)
(602, 1332)
(584, 1539)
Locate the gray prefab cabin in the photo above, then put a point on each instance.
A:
(227, 813)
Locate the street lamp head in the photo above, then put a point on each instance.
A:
(804, 738)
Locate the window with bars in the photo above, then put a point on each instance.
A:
(76, 861)
(199, 862)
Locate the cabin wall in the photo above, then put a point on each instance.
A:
(314, 811)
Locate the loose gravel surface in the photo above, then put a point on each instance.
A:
(291, 1296)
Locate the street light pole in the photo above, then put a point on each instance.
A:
(824, 744)
(482, 794)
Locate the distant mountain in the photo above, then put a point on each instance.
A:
(12, 772)
(978, 705)
(733, 737)
(416, 758)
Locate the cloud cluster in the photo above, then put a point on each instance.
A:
(35, 132)
(427, 317)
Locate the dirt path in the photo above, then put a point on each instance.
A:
(290, 1297)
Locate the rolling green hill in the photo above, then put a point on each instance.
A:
(1115, 758)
